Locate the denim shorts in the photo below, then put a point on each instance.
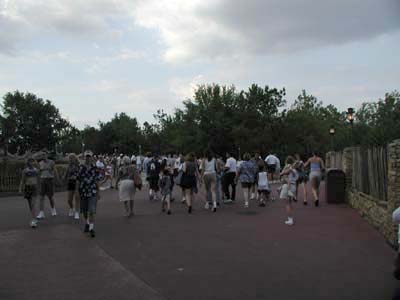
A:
(88, 205)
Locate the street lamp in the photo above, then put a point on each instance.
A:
(332, 132)
(83, 148)
(350, 115)
(140, 150)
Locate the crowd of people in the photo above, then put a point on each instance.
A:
(88, 174)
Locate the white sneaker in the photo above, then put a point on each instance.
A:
(253, 196)
(246, 204)
(76, 216)
(289, 222)
(40, 215)
(33, 223)
(207, 206)
(53, 212)
(71, 212)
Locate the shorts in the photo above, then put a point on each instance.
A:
(153, 182)
(89, 205)
(286, 193)
(71, 185)
(247, 185)
(271, 169)
(46, 187)
(30, 194)
(316, 175)
(303, 177)
(210, 178)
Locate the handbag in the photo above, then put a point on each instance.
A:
(178, 178)
(137, 180)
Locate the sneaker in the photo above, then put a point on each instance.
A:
(53, 212)
(253, 196)
(246, 205)
(316, 203)
(71, 212)
(168, 212)
(33, 223)
(289, 222)
(228, 201)
(207, 206)
(86, 229)
(92, 233)
(76, 216)
(190, 209)
(40, 215)
(214, 209)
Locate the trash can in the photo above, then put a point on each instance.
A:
(335, 185)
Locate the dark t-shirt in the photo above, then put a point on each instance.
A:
(153, 168)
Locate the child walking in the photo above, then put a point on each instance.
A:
(165, 184)
(264, 189)
(288, 189)
(29, 184)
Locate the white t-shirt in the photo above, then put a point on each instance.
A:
(231, 164)
(273, 160)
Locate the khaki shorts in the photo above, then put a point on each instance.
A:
(210, 178)
(286, 193)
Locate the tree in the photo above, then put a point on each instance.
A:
(31, 122)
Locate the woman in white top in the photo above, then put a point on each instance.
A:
(209, 177)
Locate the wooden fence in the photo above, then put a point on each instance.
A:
(336, 159)
(370, 171)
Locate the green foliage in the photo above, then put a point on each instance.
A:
(31, 122)
(219, 118)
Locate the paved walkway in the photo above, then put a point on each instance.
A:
(330, 253)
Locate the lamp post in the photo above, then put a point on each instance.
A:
(350, 118)
(140, 150)
(83, 148)
(332, 132)
(239, 152)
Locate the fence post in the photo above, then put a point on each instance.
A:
(347, 166)
(393, 189)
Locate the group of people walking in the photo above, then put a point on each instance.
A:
(219, 176)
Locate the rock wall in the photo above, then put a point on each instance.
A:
(378, 213)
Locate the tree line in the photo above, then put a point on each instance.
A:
(220, 118)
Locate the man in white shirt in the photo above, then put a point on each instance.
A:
(229, 179)
(273, 165)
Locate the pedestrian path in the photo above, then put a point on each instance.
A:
(236, 253)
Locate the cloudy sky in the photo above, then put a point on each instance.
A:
(94, 58)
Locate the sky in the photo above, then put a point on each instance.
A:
(95, 58)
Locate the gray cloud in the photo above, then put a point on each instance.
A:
(221, 28)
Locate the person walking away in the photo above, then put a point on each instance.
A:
(218, 185)
(316, 165)
(29, 184)
(165, 184)
(246, 174)
(71, 175)
(88, 178)
(303, 178)
(126, 187)
(189, 179)
(47, 173)
(153, 173)
(288, 189)
(229, 178)
(273, 165)
(263, 186)
(209, 177)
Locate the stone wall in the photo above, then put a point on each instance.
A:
(378, 213)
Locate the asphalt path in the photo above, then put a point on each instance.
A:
(235, 253)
